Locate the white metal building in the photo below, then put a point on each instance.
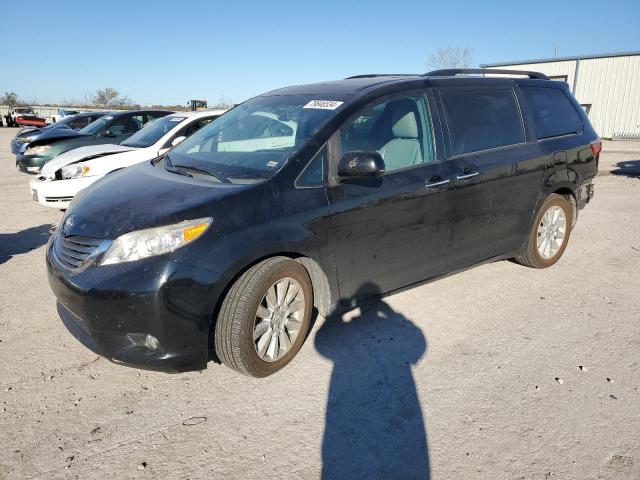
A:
(607, 86)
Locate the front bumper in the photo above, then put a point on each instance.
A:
(112, 309)
(58, 193)
(17, 148)
(31, 162)
(31, 122)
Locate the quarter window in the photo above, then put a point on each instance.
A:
(481, 119)
(314, 173)
(554, 113)
(399, 129)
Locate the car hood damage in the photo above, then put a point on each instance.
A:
(46, 137)
(80, 154)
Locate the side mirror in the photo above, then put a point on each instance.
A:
(360, 164)
(108, 133)
(177, 140)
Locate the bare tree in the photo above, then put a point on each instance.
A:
(451, 57)
(10, 98)
(106, 97)
(223, 103)
(123, 102)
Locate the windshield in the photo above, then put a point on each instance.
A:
(94, 127)
(254, 140)
(152, 132)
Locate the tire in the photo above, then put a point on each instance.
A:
(532, 256)
(234, 329)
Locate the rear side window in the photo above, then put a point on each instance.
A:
(554, 113)
(189, 130)
(482, 119)
(78, 123)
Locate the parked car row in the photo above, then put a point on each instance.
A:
(111, 128)
(68, 173)
(73, 153)
(29, 135)
(220, 245)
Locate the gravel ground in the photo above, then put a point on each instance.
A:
(500, 372)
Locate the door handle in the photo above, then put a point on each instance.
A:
(464, 176)
(438, 183)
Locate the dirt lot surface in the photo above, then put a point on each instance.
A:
(501, 372)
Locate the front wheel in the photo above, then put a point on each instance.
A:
(264, 317)
(549, 234)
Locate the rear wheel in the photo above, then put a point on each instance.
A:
(549, 234)
(264, 317)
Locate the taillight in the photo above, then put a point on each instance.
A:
(596, 147)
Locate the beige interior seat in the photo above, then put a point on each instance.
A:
(403, 150)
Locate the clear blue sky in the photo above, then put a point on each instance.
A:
(169, 52)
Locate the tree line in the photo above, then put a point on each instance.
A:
(103, 98)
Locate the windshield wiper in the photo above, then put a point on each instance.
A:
(185, 170)
(168, 166)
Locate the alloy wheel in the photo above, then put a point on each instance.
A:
(278, 319)
(552, 231)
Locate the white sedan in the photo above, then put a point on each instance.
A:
(67, 174)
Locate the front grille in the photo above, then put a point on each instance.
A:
(73, 251)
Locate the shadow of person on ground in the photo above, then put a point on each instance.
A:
(15, 243)
(627, 168)
(374, 425)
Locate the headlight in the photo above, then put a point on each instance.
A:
(75, 170)
(37, 150)
(154, 241)
(24, 139)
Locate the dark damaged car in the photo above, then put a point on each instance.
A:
(317, 197)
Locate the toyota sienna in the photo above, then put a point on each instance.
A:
(318, 196)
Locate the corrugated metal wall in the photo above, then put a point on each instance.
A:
(553, 69)
(611, 85)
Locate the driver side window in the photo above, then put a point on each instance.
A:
(399, 129)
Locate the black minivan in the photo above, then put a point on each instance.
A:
(318, 196)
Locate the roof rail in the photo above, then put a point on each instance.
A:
(452, 72)
(373, 75)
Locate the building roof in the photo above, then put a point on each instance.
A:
(559, 59)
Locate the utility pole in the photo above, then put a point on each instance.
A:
(555, 50)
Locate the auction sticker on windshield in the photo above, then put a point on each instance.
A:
(323, 104)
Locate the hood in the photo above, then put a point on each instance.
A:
(144, 196)
(39, 133)
(79, 154)
(56, 133)
(25, 130)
